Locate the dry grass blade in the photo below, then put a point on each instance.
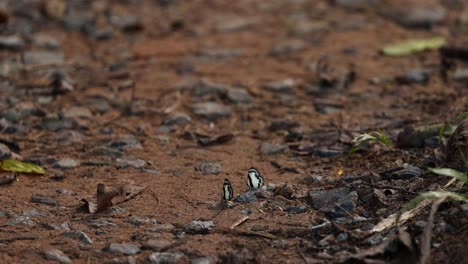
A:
(239, 222)
(391, 221)
(426, 240)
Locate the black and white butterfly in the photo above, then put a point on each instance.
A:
(255, 180)
(228, 193)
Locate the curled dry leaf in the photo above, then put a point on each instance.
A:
(106, 198)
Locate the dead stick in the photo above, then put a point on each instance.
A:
(239, 222)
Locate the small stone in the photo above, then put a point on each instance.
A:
(211, 110)
(374, 240)
(342, 237)
(238, 95)
(327, 153)
(124, 248)
(55, 123)
(43, 57)
(11, 42)
(5, 152)
(163, 228)
(98, 104)
(79, 21)
(287, 47)
(156, 244)
(126, 23)
(67, 137)
(209, 168)
(202, 260)
(45, 41)
(281, 86)
(420, 76)
(130, 161)
(177, 119)
(78, 235)
(199, 227)
(221, 53)
(128, 142)
(418, 16)
(460, 75)
(421, 224)
(165, 257)
(297, 209)
(77, 111)
(107, 152)
(246, 197)
(122, 260)
(271, 149)
(205, 88)
(57, 255)
(336, 202)
(355, 4)
(232, 24)
(65, 164)
(44, 199)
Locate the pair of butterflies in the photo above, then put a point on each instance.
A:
(255, 181)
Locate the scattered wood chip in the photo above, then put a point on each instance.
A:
(107, 198)
(239, 222)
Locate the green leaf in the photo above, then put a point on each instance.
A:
(451, 173)
(20, 167)
(431, 196)
(377, 136)
(413, 45)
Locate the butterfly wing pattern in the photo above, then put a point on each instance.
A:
(228, 193)
(255, 180)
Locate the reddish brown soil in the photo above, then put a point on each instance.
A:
(183, 193)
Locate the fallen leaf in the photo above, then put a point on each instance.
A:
(413, 45)
(20, 167)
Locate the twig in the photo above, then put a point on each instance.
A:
(426, 240)
(239, 222)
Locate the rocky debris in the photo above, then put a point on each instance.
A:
(127, 249)
(355, 4)
(165, 257)
(177, 119)
(68, 137)
(228, 24)
(5, 152)
(419, 76)
(199, 227)
(76, 112)
(287, 47)
(130, 161)
(209, 168)
(65, 164)
(127, 142)
(127, 23)
(272, 149)
(424, 16)
(78, 235)
(156, 244)
(11, 43)
(43, 57)
(211, 110)
(238, 95)
(206, 88)
(281, 86)
(202, 260)
(297, 209)
(45, 41)
(336, 202)
(44, 199)
(246, 197)
(57, 255)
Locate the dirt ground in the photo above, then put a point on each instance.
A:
(118, 92)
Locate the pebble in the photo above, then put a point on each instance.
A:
(11, 42)
(124, 248)
(126, 23)
(127, 142)
(67, 137)
(460, 75)
(297, 209)
(272, 149)
(5, 152)
(246, 197)
(287, 47)
(342, 237)
(45, 41)
(406, 173)
(77, 111)
(43, 57)
(44, 199)
(238, 95)
(199, 227)
(205, 87)
(177, 118)
(165, 257)
(79, 21)
(374, 240)
(209, 168)
(420, 76)
(98, 104)
(107, 152)
(419, 16)
(65, 164)
(78, 235)
(55, 123)
(281, 86)
(202, 260)
(355, 4)
(156, 244)
(211, 110)
(336, 202)
(57, 255)
(228, 24)
(130, 161)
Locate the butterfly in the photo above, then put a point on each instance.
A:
(255, 180)
(228, 193)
